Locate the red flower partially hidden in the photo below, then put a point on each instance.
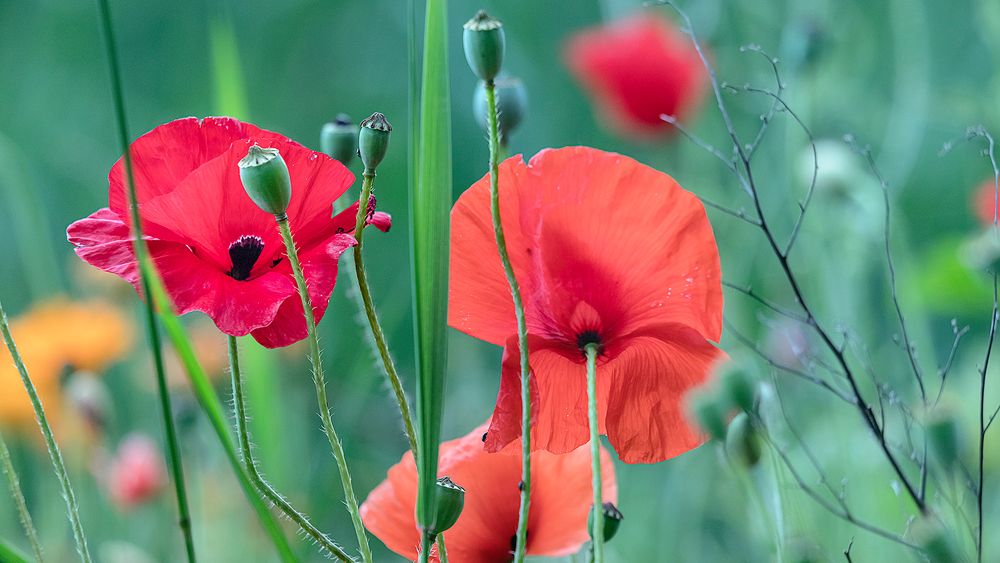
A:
(608, 251)
(637, 69)
(215, 249)
(984, 202)
(560, 502)
(136, 473)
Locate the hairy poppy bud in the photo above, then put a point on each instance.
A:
(709, 414)
(944, 435)
(339, 139)
(512, 103)
(265, 178)
(742, 442)
(936, 541)
(612, 520)
(373, 140)
(483, 39)
(738, 386)
(450, 501)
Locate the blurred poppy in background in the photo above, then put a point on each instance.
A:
(608, 252)
(215, 249)
(560, 501)
(638, 69)
(984, 202)
(137, 473)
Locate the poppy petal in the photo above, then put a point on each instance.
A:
(103, 240)
(646, 421)
(319, 265)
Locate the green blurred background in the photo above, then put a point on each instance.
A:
(901, 75)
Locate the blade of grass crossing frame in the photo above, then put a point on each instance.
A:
(10, 554)
(430, 203)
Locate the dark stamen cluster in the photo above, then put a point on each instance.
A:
(588, 337)
(243, 253)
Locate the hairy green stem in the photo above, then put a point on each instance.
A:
(597, 533)
(50, 442)
(367, 185)
(522, 327)
(320, 383)
(18, 495)
(139, 245)
(442, 551)
(239, 402)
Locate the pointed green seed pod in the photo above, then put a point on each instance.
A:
(339, 139)
(373, 140)
(742, 442)
(737, 385)
(612, 520)
(450, 502)
(483, 39)
(512, 104)
(709, 414)
(265, 178)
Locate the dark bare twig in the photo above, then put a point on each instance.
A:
(749, 292)
(847, 552)
(946, 369)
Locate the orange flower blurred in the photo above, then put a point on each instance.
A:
(51, 337)
(561, 498)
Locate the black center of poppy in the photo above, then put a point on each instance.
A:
(588, 337)
(244, 253)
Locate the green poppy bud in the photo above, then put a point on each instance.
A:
(936, 541)
(483, 39)
(512, 103)
(265, 178)
(373, 140)
(738, 386)
(339, 139)
(612, 520)
(944, 435)
(742, 442)
(709, 414)
(450, 501)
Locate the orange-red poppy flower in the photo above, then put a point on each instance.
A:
(984, 202)
(609, 251)
(638, 69)
(561, 497)
(51, 337)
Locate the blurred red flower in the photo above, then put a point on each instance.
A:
(637, 69)
(136, 474)
(215, 249)
(606, 250)
(984, 202)
(560, 502)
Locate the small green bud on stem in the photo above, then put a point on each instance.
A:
(737, 385)
(450, 502)
(483, 39)
(742, 442)
(265, 178)
(944, 435)
(612, 520)
(373, 140)
(709, 414)
(339, 139)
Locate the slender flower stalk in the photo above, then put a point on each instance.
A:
(367, 186)
(139, 245)
(263, 486)
(50, 442)
(442, 551)
(320, 383)
(522, 327)
(22, 508)
(597, 533)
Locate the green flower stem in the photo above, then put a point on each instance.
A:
(141, 253)
(597, 533)
(320, 383)
(366, 297)
(522, 327)
(50, 442)
(22, 507)
(265, 489)
(10, 554)
(442, 551)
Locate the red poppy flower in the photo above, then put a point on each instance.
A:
(984, 202)
(215, 249)
(606, 250)
(637, 69)
(136, 473)
(561, 497)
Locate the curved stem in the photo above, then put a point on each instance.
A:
(597, 532)
(522, 328)
(50, 442)
(320, 383)
(367, 186)
(263, 486)
(141, 254)
(18, 495)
